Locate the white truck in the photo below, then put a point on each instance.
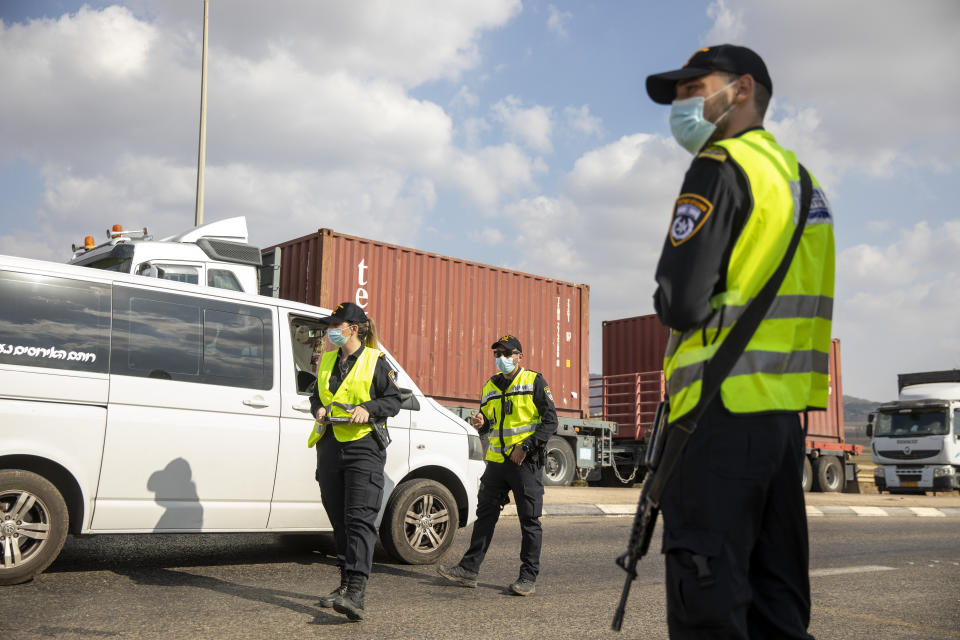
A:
(144, 405)
(216, 254)
(916, 439)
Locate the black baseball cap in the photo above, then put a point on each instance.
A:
(662, 87)
(508, 342)
(346, 312)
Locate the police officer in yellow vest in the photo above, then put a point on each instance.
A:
(735, 529)
(518, 415)
(354, 381)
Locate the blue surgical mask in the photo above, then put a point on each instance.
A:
(687, 123)
(506, 364)
(335, 336)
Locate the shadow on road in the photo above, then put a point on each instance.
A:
(274, 597)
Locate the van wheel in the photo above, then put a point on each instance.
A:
(559, 466)
(829, 477)
(806, 480)
(33, 525)
(420, 521)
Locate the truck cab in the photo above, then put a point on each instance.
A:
(916, 439)
(216, 254)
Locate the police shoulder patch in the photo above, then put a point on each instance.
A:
(714, 152)
(689, 215)
(549, 395)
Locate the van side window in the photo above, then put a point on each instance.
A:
(223, 279)
(180, 273)
(307, 341)
(175, 337)
(956, 422)
(56, 323)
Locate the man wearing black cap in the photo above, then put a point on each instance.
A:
(518, 416)
(355, 383)
(735, 530)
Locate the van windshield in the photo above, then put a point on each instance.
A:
(925, 422)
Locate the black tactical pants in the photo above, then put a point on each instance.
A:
(526, 482)
(735, 530)
(351, 487)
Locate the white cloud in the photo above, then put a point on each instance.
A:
(533, 126)
(580, 119)
(904, 293)
(309, 117)
(558, 20)
(488, 235)
(878, 106)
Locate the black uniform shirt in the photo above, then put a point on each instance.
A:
(708, 217)
(384, 394)
(542, 399)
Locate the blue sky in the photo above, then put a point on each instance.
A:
(513, 133)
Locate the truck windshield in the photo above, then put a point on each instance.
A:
(112, 263)
(912, 423)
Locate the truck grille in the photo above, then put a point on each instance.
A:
(895, 454)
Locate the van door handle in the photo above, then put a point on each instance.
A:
(303, 406)
(256, 403)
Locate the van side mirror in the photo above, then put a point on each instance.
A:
(408, 400)
(306, 381)
(869, 429)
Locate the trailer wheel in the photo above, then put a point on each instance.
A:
(560, 465)
(420, 521)
(829, 477)
(33, 525)
(807, 481)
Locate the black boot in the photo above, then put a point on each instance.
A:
(351, 602)
(328, 600)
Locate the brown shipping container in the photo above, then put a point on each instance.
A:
(632, 345)
(439, 315)
(633, 351)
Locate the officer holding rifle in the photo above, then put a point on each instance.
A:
(746, 284)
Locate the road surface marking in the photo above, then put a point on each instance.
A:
(813, 511)
(837, 571)
(869, 511)
(928, 512)
(618, 509)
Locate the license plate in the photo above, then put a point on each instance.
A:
(909, 483)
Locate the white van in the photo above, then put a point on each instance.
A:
(140, 405)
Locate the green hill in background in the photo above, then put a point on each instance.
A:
(855, 409)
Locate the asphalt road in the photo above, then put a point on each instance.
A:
(259, 586)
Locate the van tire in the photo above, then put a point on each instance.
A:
(560, 466)
(806, 480)
(405, 518)
(829, 474)
(46, 514)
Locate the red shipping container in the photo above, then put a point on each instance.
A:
(632, 345)
(633, 351)
(439, 315)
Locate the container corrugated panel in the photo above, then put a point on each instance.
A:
(439, 315)
(632, 345)
(630, 399)
(828, 425)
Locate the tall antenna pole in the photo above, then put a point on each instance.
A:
(202, 158)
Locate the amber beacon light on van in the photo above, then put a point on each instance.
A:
(115, 234)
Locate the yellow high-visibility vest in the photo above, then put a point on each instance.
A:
(785, 365)
(355, 389)
(518, 425)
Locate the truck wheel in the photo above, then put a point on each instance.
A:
(420, 521)
(33, 525)
(807, 481)
(829, 477)
(560, 464)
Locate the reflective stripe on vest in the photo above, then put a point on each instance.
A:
(785, 364)
(355, 389)
(516, 426)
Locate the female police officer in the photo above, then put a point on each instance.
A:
(354, 381)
